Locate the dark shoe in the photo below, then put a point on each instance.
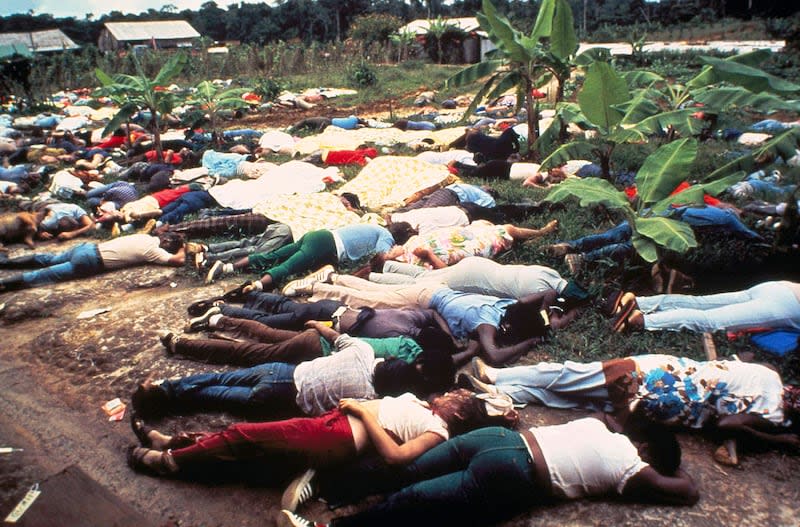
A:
(196, 309)
(12, 283)
(299, 491)
(237, 296)
(290, 519)
(169, 340)
(215, 272)
(140, 430)
(150, 401)
(201, 323)
(612, 303)
(136, 460)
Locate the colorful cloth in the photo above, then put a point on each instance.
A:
(307, 212)
(452, 244)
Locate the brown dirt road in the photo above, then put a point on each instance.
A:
(56, 371)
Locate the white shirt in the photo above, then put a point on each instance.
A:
(126, 251)
(431, 218)
(408, 418)
(584, 458)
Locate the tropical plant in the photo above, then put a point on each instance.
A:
(402, 40)
(437, 29)
(137, 92)
(660, 174)
(523, 62)
(211, 99)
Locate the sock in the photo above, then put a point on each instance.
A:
(227, 268)
(213, 320)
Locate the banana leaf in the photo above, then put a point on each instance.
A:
(665, 169)
(591, 191)
(603, 89)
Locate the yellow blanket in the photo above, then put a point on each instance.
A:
(307, 212)
(388, 182)
(334, 138)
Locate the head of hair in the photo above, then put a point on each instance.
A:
(149, 401)
(67, 224)
(352, 199)
(401, 232)
(662, 450)
(522, 321)
(463, 411)
(171, 241)
(402, 124)
(395, 376)
(23, 188)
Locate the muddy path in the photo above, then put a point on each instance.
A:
(56, 370)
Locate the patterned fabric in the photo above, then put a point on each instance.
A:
(388, 182)
(239, 224)
(304, 212)
(678, 390)
(452, 244)
(334, 138)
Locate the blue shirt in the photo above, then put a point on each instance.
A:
(464, 312)
(362, 240)
(472, 194)
(61, 210)
(348, 123)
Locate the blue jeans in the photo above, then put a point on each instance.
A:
(280, 312)
(14, 174)
(713, 217)
(273, 238)
(567, 385)
(77, 262)
(479, 478)
(187, 203)
(767, 305)
(614, 243)
(268, 387)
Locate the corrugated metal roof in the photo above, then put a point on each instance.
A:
(11, 51)
(162, 29)
(47, 40)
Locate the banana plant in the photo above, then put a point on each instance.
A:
(211, 99)
(660, 174)
(523, 62)
(138, 92)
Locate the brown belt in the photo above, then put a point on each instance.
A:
(540, 471)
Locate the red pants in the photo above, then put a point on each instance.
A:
(323, 440)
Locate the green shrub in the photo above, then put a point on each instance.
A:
(268, 89)
(362, 75)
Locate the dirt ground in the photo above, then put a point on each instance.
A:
(56, 370)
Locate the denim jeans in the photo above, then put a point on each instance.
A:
(713, 217)
(479, 478)
(567, 385)
(280, 312)
(193, 201)
(14, 174)
(265, 387)
(614, 243)
(273, 238)
(767, 305)
(77, 262)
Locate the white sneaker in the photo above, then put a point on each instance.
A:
(299, 491)
(303, 285)
(290, 519)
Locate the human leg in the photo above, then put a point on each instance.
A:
(567, 385)
(265, 387)
(79, 261)
(412, 295)
(313, 250)
(302, 347)
(478, 478)
(619, 234)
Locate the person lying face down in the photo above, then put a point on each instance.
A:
(452, 483)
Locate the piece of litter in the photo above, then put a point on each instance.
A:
(92, 312)
(23, 505)
(114, 409)
(173, 285)
(9, 449)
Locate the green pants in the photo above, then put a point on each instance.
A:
(313, 250)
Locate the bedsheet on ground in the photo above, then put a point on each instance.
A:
(334, 138)
(294, 177)
(389, 182)
(307, 212)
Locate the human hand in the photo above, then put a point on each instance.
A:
(44, 235)
(252, 286)
(64, 236)
(351, 406)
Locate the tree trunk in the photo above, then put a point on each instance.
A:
(533, 121)
(157, 135)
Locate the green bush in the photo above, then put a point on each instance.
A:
(362, 76)
(374, 28)
(268, 89)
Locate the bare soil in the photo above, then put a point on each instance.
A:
(57, 370)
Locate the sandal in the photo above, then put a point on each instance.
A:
(135, 456)
(235, 296)
(627, 322)
(625, 311)
(141, 430)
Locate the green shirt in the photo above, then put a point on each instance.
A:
(404, 348)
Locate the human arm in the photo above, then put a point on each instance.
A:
(499, 355)
(384, 444)
(756, 427)
(426, 254)
(177, 259)
(647, 485)
(86, 224)
(328, 333)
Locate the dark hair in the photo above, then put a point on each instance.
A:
(522, 321)
(394, 376)
(171, 241)
(663, 449)
(463, 411)
(401, 231)
(402, 124)
(66, 224)
(149, 401)
(352, 199)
